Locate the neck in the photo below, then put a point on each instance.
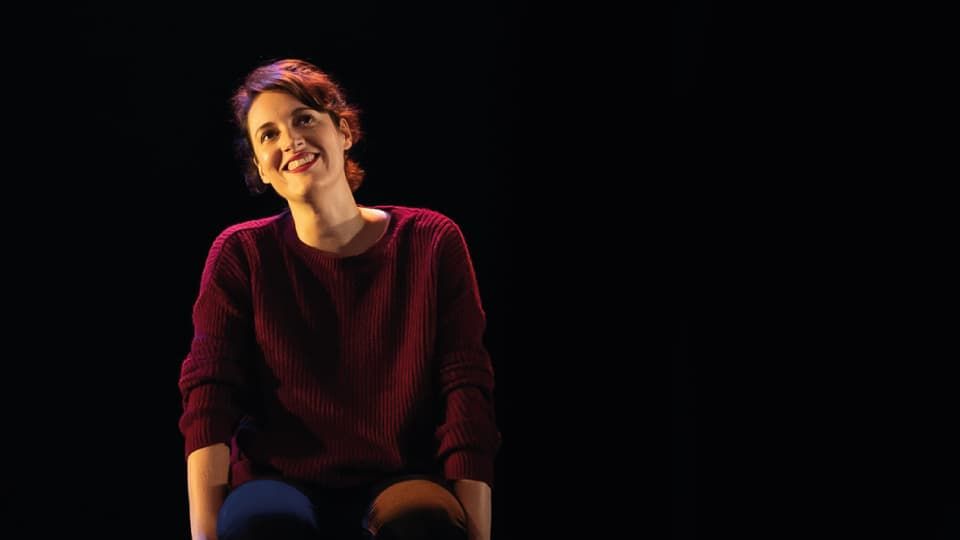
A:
(329, 223)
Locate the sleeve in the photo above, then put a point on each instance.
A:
(211, 378)
(468, 434)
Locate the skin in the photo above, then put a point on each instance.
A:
(282, 129)
(207, 470)
(477, 499)
(326, 216)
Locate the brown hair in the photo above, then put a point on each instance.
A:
(310, 85)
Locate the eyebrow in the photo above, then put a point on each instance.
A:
(295, 111)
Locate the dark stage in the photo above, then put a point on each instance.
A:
(495, 116)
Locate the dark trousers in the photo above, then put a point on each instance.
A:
(404, 509)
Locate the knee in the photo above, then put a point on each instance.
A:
(414, 510)
(264, 509)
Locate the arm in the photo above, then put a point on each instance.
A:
(475, 496)
(468, 436)
(207, 470)
(211, 381)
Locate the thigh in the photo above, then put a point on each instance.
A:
(265, 508)
(416, 508)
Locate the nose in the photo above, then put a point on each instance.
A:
(293, 141)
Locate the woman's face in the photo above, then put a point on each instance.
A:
(298, 149)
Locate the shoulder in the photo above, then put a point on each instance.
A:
(420, 220)
(239, 241)
(249, 231)
(253, 227)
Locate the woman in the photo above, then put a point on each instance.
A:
(337, 381)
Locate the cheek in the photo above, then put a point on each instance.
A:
(270, 160)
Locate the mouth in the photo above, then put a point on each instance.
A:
(301, 162)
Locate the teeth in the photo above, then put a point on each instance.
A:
(299, 162)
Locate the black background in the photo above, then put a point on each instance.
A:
(825, 396)
(122, 173)
(779, 217)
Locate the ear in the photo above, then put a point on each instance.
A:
(345, 132)
(263, 177)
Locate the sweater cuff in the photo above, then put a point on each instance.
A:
(206, 435)
(467, 465)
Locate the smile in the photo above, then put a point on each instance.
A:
(302, 163)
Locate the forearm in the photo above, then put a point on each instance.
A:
(476, 498)
(207, 470)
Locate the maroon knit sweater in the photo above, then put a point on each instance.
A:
(341, 370)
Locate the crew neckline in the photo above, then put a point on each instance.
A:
(376, 249)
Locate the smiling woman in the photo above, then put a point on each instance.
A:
(299, 151)
(309, 96)
(337, 381)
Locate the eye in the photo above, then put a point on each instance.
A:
(267, 135)
(305, 120)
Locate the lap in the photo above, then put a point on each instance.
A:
(401, 504)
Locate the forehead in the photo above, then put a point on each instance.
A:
(271, 106)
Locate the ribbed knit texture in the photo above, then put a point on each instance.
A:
(341, 370)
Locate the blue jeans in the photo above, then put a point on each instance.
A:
(410, 508)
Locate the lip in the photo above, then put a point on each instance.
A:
(300, 155)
